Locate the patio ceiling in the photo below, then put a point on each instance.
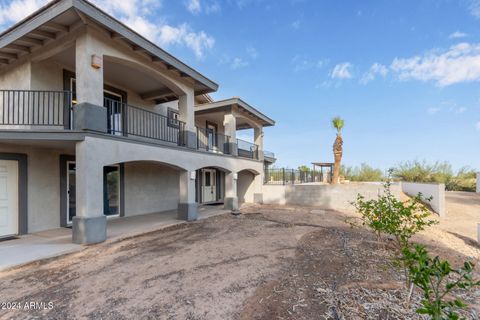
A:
(60, 17)
(244, 110)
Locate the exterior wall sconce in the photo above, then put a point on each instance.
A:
(235, 176)
(96, 61)
(193, 175)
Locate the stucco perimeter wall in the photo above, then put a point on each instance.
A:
(150, 188)
(434, 190)
(331, 197)
(43, 167)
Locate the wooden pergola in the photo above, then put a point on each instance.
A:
(328, 167)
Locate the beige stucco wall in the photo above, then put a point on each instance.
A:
(43, 169)
(47, 75)
(150, 188)
(16, 77)
(245, 187)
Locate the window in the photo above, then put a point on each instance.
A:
(173, 118)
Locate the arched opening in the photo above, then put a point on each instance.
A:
(246, 186)
(210, 185)
(148, 187)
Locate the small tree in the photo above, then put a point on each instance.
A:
(387, 215)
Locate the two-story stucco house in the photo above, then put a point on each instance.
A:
(98, 122)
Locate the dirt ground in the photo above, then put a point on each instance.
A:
(271, 262)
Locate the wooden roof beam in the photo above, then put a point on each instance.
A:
(57, 27)
(8, 55)
(44, 34)
(17, 47)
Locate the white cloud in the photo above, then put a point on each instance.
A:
(193, 6)
(433, 110)
(213, 7)
(460, 63)
(342, 71)
(140, 15)
(447, 106)
(457, 35)
(239, 63)
(477, 125)
(474, 8)
(18, 9)
(252, 52)
(302, 63)
(375, 69)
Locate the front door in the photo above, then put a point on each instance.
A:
(209, 185)
(8, 198)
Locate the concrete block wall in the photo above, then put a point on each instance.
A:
(331, 197)
(434, 190)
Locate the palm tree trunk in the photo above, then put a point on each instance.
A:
(337, 153)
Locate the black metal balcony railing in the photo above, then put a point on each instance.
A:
(247, 149)
(214, 142)
(284, 176)
(127, 120)
(268, 154)
(35, 108)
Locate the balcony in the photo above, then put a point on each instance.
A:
(247, 149)
(53, 110)
(208, 140)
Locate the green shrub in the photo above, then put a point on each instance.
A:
(436, 278)
(388, 215)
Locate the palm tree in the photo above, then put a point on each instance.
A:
(338, 124)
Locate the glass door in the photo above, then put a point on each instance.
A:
(71, 183)
(114, 104)
(211, 136)
(111, 191)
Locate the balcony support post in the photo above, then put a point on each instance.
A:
(230, 124)
(89, 113)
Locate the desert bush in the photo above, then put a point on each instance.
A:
(362, 173)
(439, 172)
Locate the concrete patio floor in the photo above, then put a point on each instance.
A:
(56, 242)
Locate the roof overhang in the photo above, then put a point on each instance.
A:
(226, 105)
(41, 28)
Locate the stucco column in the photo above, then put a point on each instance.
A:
(230, 125)
(258, 188)
(187, 208)
(258, 139)
(89, 224)
(186, 113)
(89, 113)
(231, 197)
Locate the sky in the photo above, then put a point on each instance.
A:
(404, 74)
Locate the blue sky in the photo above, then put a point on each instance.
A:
(403, 74)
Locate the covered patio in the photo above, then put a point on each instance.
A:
(51, 243)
